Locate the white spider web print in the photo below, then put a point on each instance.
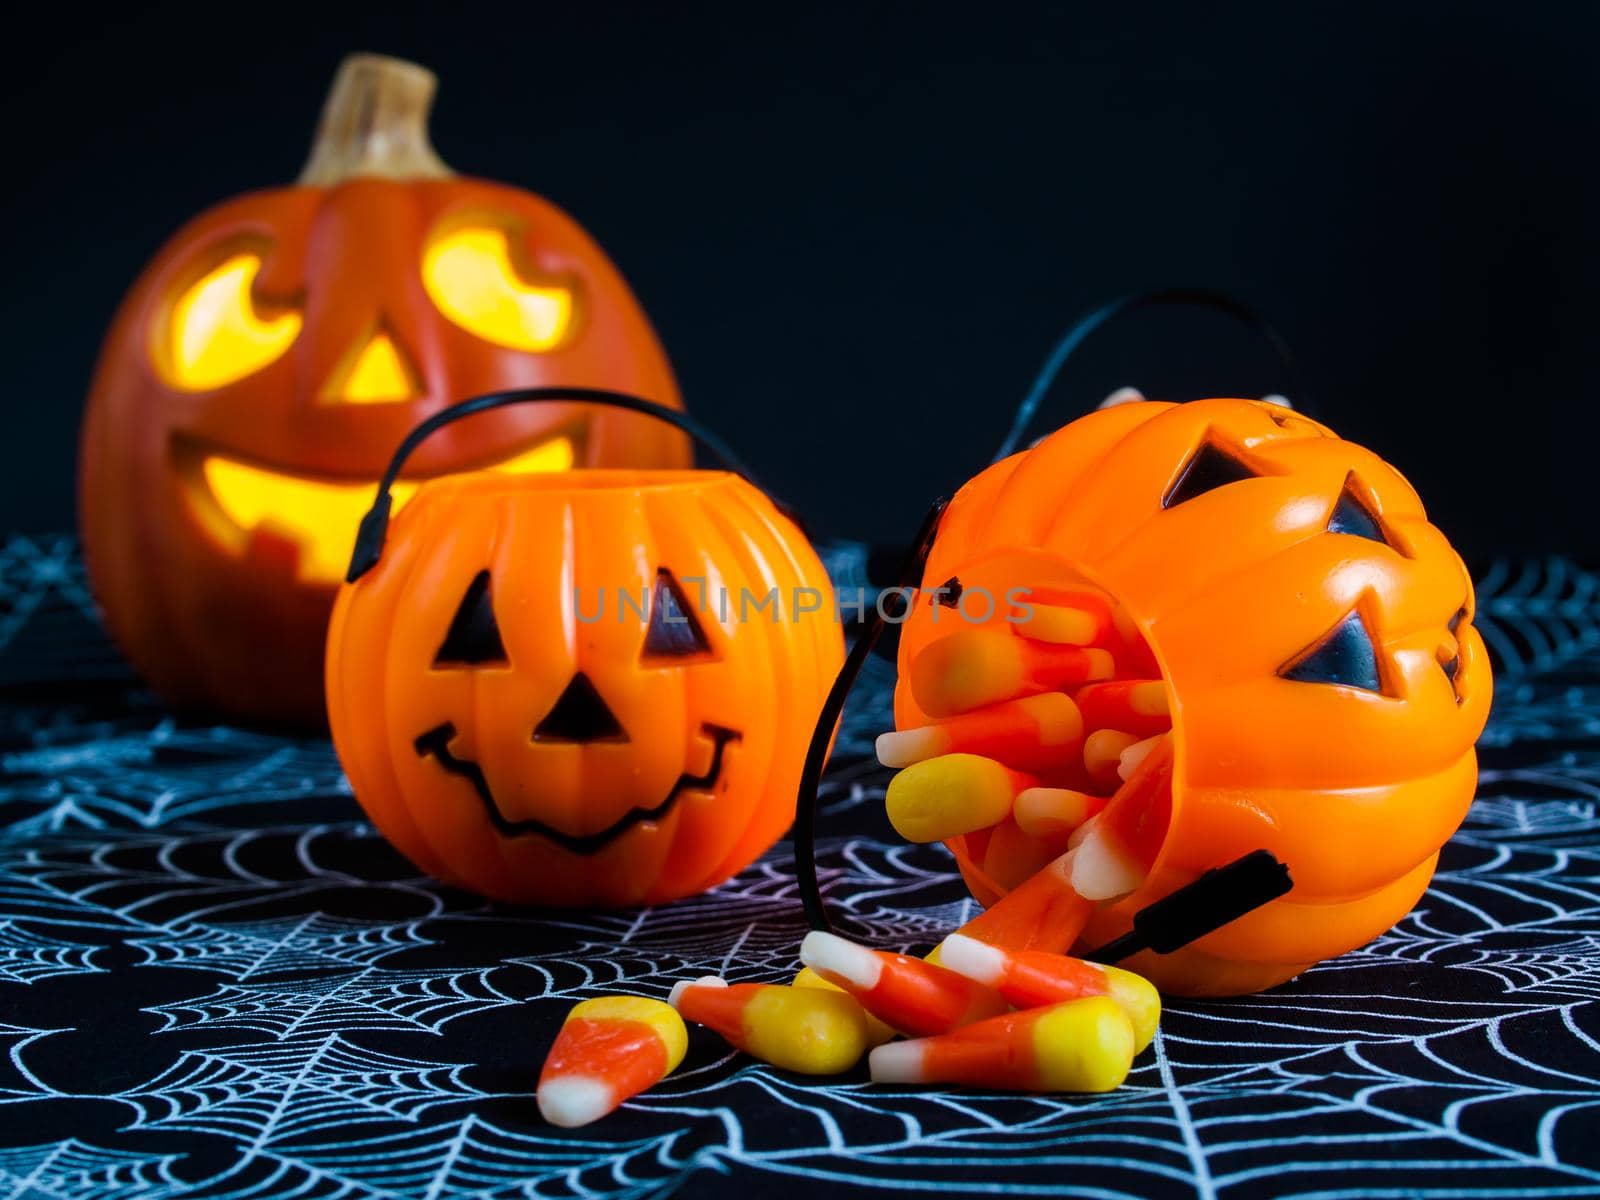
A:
(217, 981)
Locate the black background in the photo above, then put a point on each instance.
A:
(859, 228)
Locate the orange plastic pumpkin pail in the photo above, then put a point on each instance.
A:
(581, 688)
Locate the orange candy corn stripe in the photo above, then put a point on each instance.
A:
(1137, 706)
(973, 667)
(608, 1050)
(1079, 1046)
(912, 995)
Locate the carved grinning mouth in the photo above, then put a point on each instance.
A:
(436, 743)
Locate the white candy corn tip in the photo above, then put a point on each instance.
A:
(574, 1100)
(828, 954)
(1128, 761)
(976, 960)
(896, 1062)
(902, 747)
(703, 981)
(1100, 871)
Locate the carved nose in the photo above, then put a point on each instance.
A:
(580, 715)
(376, 371)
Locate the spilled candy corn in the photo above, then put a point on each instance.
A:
(608, 1050)
(953, 794)
(877, 1032)
(912, 995)
(812, 1031)
(1078, 1046)
(1033, 979)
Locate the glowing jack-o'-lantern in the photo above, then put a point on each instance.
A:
(587, 688)
(276, 350)
(1311, 632)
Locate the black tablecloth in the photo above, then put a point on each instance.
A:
(216, 980)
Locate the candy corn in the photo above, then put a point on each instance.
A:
(1044, 912)
(1079, 1046)
(1030, 734)
(1138, 706)
(950, 795)
(911, 994)
(1048, 812)
(1102, 754)
(808, 1030)
(973, 667)
(1031, 979)
(877, 1032)
(1067, 625)
(1115, 850)
(608, 1050)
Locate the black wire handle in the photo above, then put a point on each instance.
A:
(1079, 333)
(805, 800)
(375, 524)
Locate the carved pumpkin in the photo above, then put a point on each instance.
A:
(1315, 635)
(275, 351)
(551, 689)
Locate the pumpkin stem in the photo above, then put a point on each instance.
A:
(375, 124)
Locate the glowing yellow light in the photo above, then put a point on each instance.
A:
(378, 376)
(321, 516)
(215, 336)
(469, 275)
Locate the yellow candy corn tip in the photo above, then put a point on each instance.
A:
(1083, 1046)
(1139, 1000)
(806, 1030)
(965, 670)
(947, 796)
(574, 1100)
(1066, 626)
(833, 956)
(1058, 717)
(1043, 811)
(1101, 665)
(878, 1032)
(662, 1018)
(903, 747)
(976, 960)
(683, 984)
(1105, 746)
(1150, 699)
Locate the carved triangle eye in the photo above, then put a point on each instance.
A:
(1209, 469)
(1347, 657)
(1352, 516)
(580, 715)
(473, 639)
(948, 593)
(673, 631)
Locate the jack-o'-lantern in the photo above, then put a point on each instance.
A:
(587, 688)
(275, 351)
(1313, 636)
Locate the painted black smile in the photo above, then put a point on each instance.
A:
(436, 742)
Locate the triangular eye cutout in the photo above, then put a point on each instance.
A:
(1347, 657)
(948, 593)
(1209, 469)
(580, 715)
(673, 631)
(1351, 515)
(473, 639)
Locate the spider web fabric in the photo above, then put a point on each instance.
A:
(217, 981)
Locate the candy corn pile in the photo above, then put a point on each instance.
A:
(980, 1016)
(1046, 767)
